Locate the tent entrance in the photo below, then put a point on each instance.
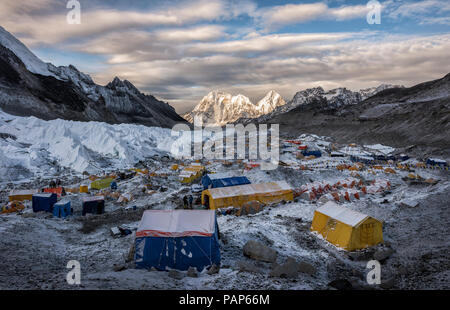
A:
(207, 201)
(367, 233)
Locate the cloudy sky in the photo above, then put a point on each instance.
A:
(180, 50)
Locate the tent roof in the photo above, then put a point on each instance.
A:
(23, 192)
(44, 195)
(62, 202)
(177, 223)
(342, 214)
(223, 175)
(249, 189)
(93, 198)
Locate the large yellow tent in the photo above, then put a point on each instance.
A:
(345, 228)
(238, 195)
(21, 195)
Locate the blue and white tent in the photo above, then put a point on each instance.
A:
(216, 180)
(44, 202)
(177, 239)
(62, 209)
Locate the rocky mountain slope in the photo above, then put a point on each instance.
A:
(323, 100)
(30, 87)
(415, 118)
(220, 108)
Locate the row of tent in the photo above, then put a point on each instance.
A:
(180, 239)
(191, 173)
(48, 202)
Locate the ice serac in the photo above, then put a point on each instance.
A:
(219, 108)
(30, 87)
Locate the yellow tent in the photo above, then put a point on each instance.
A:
(346, 228)
(101, 184)
(238, 195)
(84, 189)
(21, 195)
(191, 173)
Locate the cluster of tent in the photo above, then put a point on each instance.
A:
(349, 189)
(191, 173)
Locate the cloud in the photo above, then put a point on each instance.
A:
(419, 9)
(288, 14)
(53, 28)
(181, 50)
(334, 62)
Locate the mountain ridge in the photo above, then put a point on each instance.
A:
(30, 87)
(220, 108)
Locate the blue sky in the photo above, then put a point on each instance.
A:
(180, 50)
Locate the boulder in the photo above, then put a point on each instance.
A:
(245, 266)
(192, 272)
(288, 270)
(213, 269)
(387, 284)
(341, 284)
(382, 255)
(119, 267)
(258, 251)
(175, 274)
(307, 268)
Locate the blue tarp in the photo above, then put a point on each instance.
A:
(219, 180)
(316, 153)
(362, 159)
(44, 202)
(113, 185)
(165, 250)
(62, 209)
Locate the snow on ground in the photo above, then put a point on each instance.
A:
(32, 146)
(36, 247)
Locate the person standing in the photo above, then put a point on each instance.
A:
(191, 200)
(185, 202)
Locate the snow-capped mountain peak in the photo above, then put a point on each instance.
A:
(31, 61)
(270, 102)
(29, 86)
(220, 108)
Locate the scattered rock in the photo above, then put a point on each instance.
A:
(192, 272)
(175, 274)
(258, 251)
(130, 256)
(120, 267)
(363, 255)
(213, 269)
(288, 270)
(387, 284)
(307, 268)
(28, 215)
(248, 267)
(382, 255)
(341, 284)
